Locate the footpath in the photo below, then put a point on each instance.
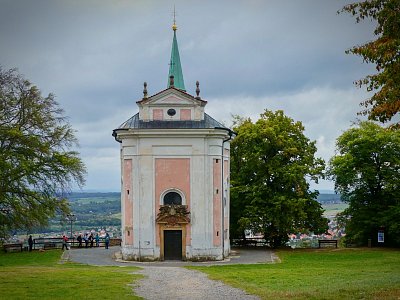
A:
(169, 280)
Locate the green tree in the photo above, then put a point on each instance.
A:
(384, 52)
(272, 162)
(36, 166)
(366, 171)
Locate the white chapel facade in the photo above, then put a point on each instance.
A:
(175, 176)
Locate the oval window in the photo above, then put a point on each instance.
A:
(172, 198)
(171, 112)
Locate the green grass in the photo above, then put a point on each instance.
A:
(116, 216)
(99, 199)
(38, 275)
(318, 274)
(334, 209)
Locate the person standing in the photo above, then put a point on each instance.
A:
(79, 239)
(107, 240)
(91, 240)
(86, 239)
(30, 243)
(97, 239)
(64, 244)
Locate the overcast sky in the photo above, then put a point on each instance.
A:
(247, 55)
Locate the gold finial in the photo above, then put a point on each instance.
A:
(174, 27)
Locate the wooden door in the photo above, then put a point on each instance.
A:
(173, 244)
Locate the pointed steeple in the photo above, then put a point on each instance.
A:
(175, 68)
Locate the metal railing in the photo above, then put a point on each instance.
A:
(56, 243)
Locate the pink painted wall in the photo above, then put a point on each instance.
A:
(186, 114)
(172, 173)
(128, 202)
(157, 114)
(226, 176)
(217, 234)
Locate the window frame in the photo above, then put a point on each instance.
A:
(180, 193)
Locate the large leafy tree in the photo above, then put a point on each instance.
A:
(384, 52)
(366, 171)
(272, 162)
(37, 166)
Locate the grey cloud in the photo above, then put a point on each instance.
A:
(248, 55)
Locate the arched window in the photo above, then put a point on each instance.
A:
(172, 198)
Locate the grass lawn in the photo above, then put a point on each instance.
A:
(318, 274)
(38, 275)
(334, 209)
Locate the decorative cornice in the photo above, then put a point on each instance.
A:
(173, 215)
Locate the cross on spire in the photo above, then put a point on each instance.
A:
(174, 27)
(175, 68)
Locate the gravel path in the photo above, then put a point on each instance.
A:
(168, 280)
(179, 283)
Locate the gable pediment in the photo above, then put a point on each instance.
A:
(171, 96)
(171, 105)
(172, 100)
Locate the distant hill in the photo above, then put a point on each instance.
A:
(329, 198)
(94, 196)
(96, 209)
(100, 209)
(91, 210)
(326, 191)
(110, 202)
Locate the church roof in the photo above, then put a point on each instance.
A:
(135, 123)
(175, 68)
(174, 95)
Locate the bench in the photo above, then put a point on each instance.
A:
(12, 247)
(327, 242)
(47, 243)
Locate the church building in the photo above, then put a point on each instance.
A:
(174, 176)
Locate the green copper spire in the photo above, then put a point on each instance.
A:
(175, 68)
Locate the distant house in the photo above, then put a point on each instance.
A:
(175, 176)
